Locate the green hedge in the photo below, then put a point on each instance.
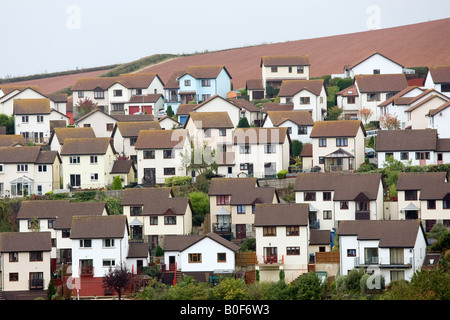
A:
(178, 181)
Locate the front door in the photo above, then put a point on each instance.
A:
(149, 176)
(171, 263)
(240, 231)
(153, 241)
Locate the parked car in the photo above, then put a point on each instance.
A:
(370, 153)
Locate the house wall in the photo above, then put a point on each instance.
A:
(304, 138)
(440, 122)
(33, 126)
(402, 203)
(98, 121)
(199, 139)
(315, 106)
(411, 158)
(283, 73)
(417, 118)
(321, 206)
(101, 103)
(7, 106)
(347, 108)
(218, 104)
(376, 61)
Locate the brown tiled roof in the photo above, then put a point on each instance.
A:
(155, 201)
(98, 227)
(132, 129)
(182, 242)
(285, 60)
(25, 241)
(348, 92)
(122, 166)
(57, 124)
(443, 145)
(281, 214)
(244, 104)
(301, 118)
(373, 83)
(254, 84)
(185, 109)
(8, 88)
(389, 233)
(138, 250)
(210, 120)
(161, 139)
(11, 140)
(57, 97)
(254, 135)
(420, 180)
(356, 184)
(270, 106)
(19, 154)
(47, 157)
(425, 101)
(89, 84)
(290, 88)
(81, 132)
(440, 74)
(337, 128)
(398, 97)
(406, 140)
(307, 150)
(242, 191)
(319, 237)
(137, 80)
(367, 57)
(148, 98)
(31, 106)
(205, 72)
(133, 117)
(85, 146)
(433, 112)
(172, 82)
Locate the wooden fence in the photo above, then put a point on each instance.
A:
(327, 257)
(245, 258)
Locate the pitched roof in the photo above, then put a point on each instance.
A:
(307, 150)
(161, 139)
(138, 250)
(270, 106)
(131, 81)
(368, 57)
(254, 135)
(25, 241)
(242, 191)
(155, 201)
(210, 120)
(90, 84)
(420, 180)
(426, 100)
(285, 214)
(148, 98)
(8, 88)
(11, 140)
(254, 84)
(319, 237)
(373, 83)
(182, 242)
(357, 184)
(47, 157)
(337, 128)
(348, 92)
(389, 233)
(244, 104)
(173, 82)
(290, 88)
(185, 109)
(398, 97)
(98, 227)
(138, 80)
(285, 60)
(301, 118)
(19, 154)
(85, 146)
(74, 132)
(406, 140)
(440, 74)
(122, 166)
(441, 108)
(132, 128)
(133, 117)
(204, 72)
(31, 106)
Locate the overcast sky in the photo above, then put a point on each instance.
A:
(41, 36)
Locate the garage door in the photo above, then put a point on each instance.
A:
(133, 109)
(147, 109)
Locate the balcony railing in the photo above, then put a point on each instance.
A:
(272, 259)
(86, 271)
(382, 262)
(36, 284)
(362, 215)
(221, 228)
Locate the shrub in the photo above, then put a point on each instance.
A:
(117, 183)
(178, 181)
(282, 174)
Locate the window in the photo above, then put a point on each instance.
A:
(75, 180)
(14, 276)
(327, 196)
(135, 211)
(290, 69)
(42, 168)
(133, 141)
(309, 196)
(344, 205)
(244, 166)
(74, 160)
(207, 133)
(446, 202)
(273, 69)
(341, 142)
(206, 97)
(404, 155)
(300, 69)
(51, 223)
(206, 82)
(445, 87)
(411, 195)
(373, 97)
(40, 119)
(87, 125)
(94, 176)
(94, 160)
(195, 258)
(36, 256)
(108, 243)
(221, 257)
(22, 168)
(322, 142)
(245, 149)
(362, 206)
(149, 154)
(154, 220)
(302, 130)
(431, 204)
(170, 220)
(241, 208)
(168, 154)
(321, 160)
(13, 257)
(24, 119)
(169, 171)
(397, 275)
(351, 252)
(117, 106)
(351, 100)
(269, 148)
(65, 233)
(292, 231)
(187, 83)
(387, 155)
(80, 94)
(85, 243)
(222, 132)
(108, 263)
(290, 130)
(327, 214)
(2, 168)
(222, 200)
(117, 93)
(269, 231)
(293, 251)
(99, 94)
(304, 100)
(440, 157)
(109, 126)
(422, 155)
(376, 71)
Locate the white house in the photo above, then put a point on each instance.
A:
(87, 162)
(209, 254)
(299, 123)
(60, 134)
(418, 112)
(28, 170)
(168, 123)
(348, 100)
(330, 203)
(424, 196)
(375, 63)
(32, 119)
(153, 213)
(389, 249)
(438, 78)
(439, 118)
(147, 104)
(282, 238)
(161, 154)
(255, 89)
(338, 145)
(261, 152)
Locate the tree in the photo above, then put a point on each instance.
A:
(365, 114)
(117, 183)
(243, 123)
(297, 147)
(200, 206)
(7, 122)
(334, 113)
(85, 106)
(389, 122)
(308, 286)
(117, 279)
(169, 111)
